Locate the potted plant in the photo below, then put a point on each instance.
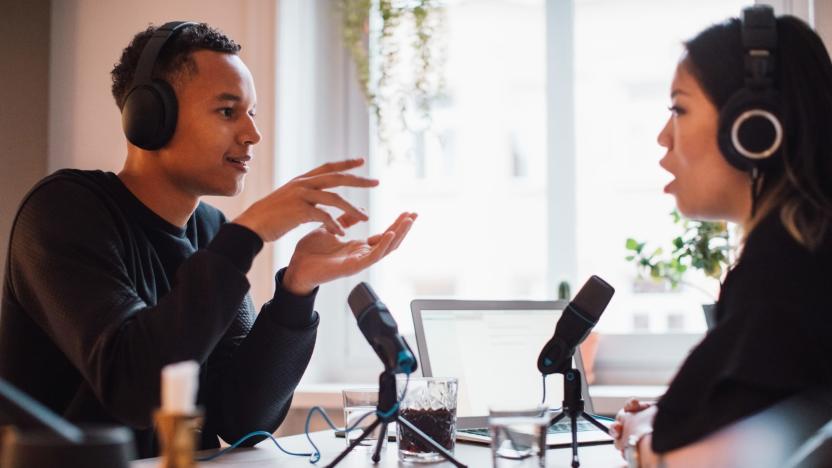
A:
(702, 245)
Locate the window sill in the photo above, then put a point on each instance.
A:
(607, 399)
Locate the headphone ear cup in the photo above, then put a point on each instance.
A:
(750, 129)
(149, 115)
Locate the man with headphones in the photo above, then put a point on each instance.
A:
(111, 277)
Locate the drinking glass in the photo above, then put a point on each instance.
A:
(359, 402)
(429, 403)
(518, 436)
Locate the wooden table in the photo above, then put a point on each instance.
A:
(265, 454)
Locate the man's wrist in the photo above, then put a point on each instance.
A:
(291, 284)
(290, 309)
(247, 222)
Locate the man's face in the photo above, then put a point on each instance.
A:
(215, 130)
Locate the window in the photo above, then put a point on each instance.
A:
(479, 180)
(624, 62)
(482, 181)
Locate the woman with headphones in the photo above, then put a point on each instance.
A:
(748, 141)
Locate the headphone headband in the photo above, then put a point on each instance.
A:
(759, 41)
(751, 133)
(144, 69)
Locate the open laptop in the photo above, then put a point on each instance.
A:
(492, 348)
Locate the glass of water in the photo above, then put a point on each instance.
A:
(361, 403)
(518, 436)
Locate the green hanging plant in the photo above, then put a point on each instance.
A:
(398, 92)
(355, 15)
(703, 245)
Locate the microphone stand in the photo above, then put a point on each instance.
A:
(387, 411)
(573, 406)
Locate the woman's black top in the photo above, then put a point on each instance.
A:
(773, 338)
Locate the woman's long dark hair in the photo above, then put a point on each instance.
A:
(801, 187)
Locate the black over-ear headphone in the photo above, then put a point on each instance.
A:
(150, 108)
(750, 129)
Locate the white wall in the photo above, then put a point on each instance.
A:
(84, 123)
(823, 21)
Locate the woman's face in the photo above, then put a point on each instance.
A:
(704, 184)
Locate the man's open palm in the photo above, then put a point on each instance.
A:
(321, 256)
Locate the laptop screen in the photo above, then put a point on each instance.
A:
(493, 353)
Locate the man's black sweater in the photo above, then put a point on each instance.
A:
(101, 293)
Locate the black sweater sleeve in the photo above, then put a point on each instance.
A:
(255, 369)
(67, 270)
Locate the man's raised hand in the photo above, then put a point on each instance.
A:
(297, 202)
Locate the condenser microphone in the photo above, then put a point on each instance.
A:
(380, 329)
(579, 316)
(23, 411)
(43, 438)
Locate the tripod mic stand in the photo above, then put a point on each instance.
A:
(387, 412)
(573, 406)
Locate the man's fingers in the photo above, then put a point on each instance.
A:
(347, 220)
(335, 200)
(401, 233)
(339, 179)
(397, 227)
(328, 222)
(380, 249)
(398, 222)
(404, 228)
(394, 226)
(335, 166)
(377, 252)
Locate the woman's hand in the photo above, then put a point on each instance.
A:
(635, 418)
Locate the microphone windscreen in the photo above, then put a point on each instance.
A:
(593, 297)
(360, 298)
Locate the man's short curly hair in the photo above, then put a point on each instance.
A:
(174, 62)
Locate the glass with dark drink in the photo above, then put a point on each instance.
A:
(429, 403)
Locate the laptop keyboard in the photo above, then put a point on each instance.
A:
(560, 427)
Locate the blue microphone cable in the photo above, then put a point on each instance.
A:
(315, 455)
